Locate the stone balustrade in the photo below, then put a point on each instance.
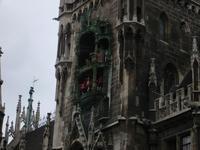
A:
(173, 103)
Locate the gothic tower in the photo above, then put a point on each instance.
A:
(127, 74)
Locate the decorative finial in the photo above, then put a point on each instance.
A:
(23, 115)
(37, 116)
(194, 44)
(11, 130)
(152, 73)
(195, 52)
(19, 104)
(31, 92)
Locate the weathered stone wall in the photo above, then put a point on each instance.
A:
(181, 25)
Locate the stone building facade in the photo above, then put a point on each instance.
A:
(128, 75)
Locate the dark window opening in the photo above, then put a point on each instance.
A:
(185, 91)
(170, 78)
(163, 27)
(131, 9)
(102, 51)
(121, 54)
(87, 47)
(129, 39)
(139, 10)
(171, 144)
(196, 74)
(61, 42)
(103, 29)
(139, 14)
(139, 43)
(103, 44)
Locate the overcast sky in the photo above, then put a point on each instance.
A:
(28, 37)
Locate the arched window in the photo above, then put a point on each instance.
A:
(170, 78)
(163, 23)
(87, 47)
(121, 54)
(61, 42)
(195, 74)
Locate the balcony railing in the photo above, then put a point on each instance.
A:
(173, 103)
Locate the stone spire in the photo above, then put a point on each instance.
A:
(195, 63)
(28, 122)
(46, 135)
(152, 73)
(7, 130)
(11, 130)
(2, 108)
(18, 117)
(37, 116)
(195, 52)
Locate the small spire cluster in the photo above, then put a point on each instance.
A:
(30, 119)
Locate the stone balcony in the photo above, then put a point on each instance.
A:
(173, 103)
